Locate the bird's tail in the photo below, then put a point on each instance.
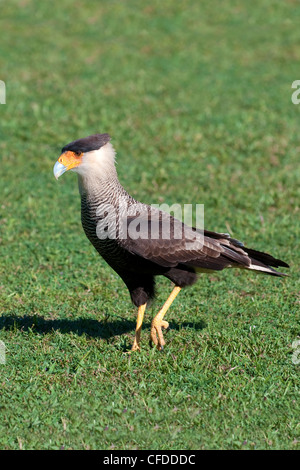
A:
(263, 262)
(247, 257)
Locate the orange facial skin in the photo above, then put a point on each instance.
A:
(70, 159)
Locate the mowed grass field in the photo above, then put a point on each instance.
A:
(197, 99)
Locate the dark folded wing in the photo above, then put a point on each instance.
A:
(158, 237)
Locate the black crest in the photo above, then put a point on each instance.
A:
(87, 144)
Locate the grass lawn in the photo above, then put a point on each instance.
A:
(197, 99)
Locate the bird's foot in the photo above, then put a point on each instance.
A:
(135, 346)
(156, 335)
(138, 329)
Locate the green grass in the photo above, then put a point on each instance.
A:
(197, 99)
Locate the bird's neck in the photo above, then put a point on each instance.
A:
(102, 189)
(98, 180)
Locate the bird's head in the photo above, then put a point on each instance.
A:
(87, 155)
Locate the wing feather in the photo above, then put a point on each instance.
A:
(176, 243)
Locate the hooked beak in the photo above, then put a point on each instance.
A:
(59, 169)
(66, 161)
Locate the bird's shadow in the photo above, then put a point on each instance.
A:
(90, 327)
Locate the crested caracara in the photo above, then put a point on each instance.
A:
(132, 239)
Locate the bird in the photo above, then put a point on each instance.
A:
(132, 238)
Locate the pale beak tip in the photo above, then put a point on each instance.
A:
(59, 169)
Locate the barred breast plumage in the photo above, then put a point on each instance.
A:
(98, 210)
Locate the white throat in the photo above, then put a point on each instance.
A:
(97, 171)
(98, 163)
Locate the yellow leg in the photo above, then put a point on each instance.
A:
(158, 323)
(138, 329)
